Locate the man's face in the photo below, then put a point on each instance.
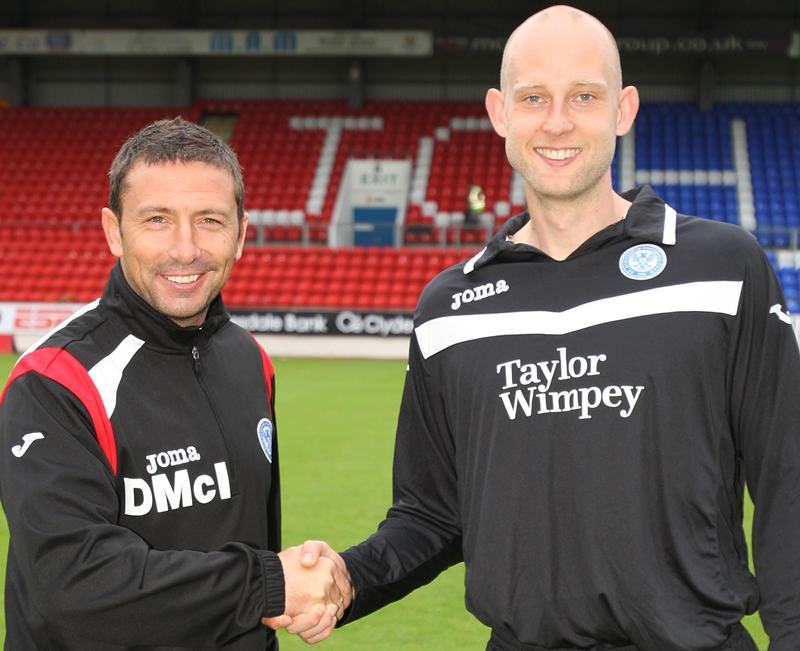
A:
(178, 236)
(560, 112)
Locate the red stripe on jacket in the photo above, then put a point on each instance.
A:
(269, 370)
(61, 367)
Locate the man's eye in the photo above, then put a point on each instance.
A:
(585, 97)
(158, 219)
(534, 99)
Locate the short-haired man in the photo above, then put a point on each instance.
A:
(581, 435)
(139, 471)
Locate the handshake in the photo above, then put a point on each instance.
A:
(318, 591)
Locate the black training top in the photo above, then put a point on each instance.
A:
(579, 433)
(139, 476)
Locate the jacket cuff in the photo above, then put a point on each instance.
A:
(274, 584)
(355, 610)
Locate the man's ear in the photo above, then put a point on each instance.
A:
(495, 107)
(242, 235)
(112, 230)
(628, 108)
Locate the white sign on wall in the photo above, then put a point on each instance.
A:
(220, 42)
(33, 318)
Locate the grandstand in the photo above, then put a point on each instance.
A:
(296, 122)
(731, 163)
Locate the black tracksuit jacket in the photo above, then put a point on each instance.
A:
(139, 476)
(579, 433)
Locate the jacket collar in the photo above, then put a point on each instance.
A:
(649, 219)
(150, 325)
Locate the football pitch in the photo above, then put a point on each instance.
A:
(336, 422)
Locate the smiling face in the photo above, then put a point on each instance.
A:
(178, 236)
(561, 106)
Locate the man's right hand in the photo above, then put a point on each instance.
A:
(309, 585)
(303, 568)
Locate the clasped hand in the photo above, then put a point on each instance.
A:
(318, 591)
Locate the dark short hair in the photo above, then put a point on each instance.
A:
(170, 141)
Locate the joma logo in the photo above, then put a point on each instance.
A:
(478, 293)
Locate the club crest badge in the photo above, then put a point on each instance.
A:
(643, 262)
(264, 430)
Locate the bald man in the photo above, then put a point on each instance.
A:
(587, 395)
(560, 108)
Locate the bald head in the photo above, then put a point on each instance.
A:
(555, 29)
(560, 110)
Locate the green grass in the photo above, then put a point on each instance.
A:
(6, 362)
(336, 484)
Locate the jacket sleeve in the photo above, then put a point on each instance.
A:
(85, 573)
(765, 416)
(421, 535)
(274, 504)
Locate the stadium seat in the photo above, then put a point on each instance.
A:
(293, 153)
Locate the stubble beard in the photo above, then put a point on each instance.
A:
(185, 314)
(579, 184)
(182, 311)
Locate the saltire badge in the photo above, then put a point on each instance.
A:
(264, 430)
(643, 262)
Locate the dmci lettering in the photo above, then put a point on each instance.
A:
(478, 293)
(178, 493)
(530, 389)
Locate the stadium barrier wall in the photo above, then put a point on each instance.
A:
(341, 334)
(344, 334)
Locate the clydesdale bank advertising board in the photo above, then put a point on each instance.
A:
(343, 322)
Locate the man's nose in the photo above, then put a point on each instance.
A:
(558, 119)
(184, 246)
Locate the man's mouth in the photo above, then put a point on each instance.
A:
(558, 154)
(182, 280)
